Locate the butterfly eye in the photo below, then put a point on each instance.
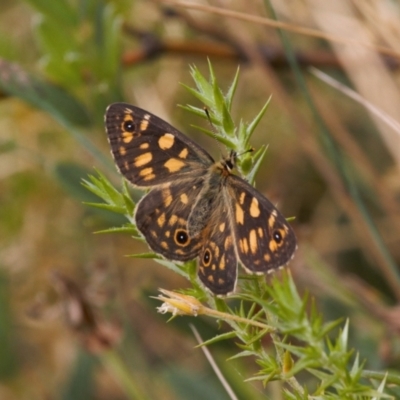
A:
(181, 237)
(128, 126)
(278, 237)
(207, 258)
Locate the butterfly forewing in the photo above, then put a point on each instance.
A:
(148, 151)
(264, 240)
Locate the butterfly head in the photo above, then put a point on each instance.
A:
(230, 161)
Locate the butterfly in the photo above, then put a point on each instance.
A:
(196, 207)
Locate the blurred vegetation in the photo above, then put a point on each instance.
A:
(77, 320)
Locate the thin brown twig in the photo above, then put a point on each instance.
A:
(153, 46)
(283, 25)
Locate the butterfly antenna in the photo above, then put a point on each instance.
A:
(213, 129)
(250, 150)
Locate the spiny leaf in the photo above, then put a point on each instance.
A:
(253, 124)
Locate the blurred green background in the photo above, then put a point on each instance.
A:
(62, 62)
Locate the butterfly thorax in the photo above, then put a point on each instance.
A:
(214, 183)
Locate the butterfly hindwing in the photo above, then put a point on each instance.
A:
(264, 240)
(217, 258)
(148, 151)
(161, 216)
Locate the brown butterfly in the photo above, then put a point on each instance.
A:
(196, 207)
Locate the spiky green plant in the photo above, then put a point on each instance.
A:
(302, 341)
